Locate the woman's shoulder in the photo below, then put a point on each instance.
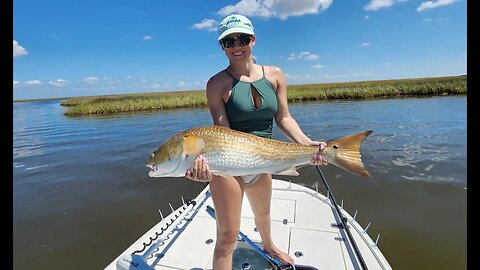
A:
(217, 77)
(219, 80)
(273, 72)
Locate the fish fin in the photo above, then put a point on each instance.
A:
(347, 153)
(220, 173)
(193, 145)
(287, 171)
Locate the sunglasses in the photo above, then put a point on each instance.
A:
(229, 42)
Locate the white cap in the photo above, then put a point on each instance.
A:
(235, 23)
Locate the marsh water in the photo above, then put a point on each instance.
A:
(81, 193)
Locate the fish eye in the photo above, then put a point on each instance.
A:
(335, 146)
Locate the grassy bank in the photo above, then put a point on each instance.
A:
(455, 85)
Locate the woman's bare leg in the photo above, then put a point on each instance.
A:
(227, 195)
(259, 195)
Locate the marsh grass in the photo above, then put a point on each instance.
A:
(456, 85)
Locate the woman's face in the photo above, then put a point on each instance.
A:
(238, 46)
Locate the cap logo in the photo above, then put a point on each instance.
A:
(233, 20)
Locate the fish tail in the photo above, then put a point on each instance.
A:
(347, 153)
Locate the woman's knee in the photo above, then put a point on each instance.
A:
(226, 241)
(263, 212)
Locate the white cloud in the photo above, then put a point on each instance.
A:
(248, 8)
(366, 44)
(302, 78)
(18, 50)
(206, 24)
(366, 17)
(183, 84)
(147, 37)
(318, 66)
(18, 84)
(335, 77)
(58, 82)
(378, 4)
(91, 80)
(33, 82)
(355, 74)
(433, 4)
(303, 55)
(276, 8)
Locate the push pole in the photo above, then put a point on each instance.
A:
(343, 220)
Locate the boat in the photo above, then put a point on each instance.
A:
(311, 227)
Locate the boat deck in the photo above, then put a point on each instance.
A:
(302, 224)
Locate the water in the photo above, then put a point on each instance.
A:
(81, 193)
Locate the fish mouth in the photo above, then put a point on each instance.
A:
(151, 167)
(153, 170)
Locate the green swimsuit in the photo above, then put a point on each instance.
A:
(244, 116)
(241, 111)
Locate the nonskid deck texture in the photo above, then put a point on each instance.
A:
(303, 224)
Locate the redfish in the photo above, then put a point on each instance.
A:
(233, 153)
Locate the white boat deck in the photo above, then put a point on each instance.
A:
(301, 224)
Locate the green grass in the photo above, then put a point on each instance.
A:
(454, 85)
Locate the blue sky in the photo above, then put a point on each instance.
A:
(94, 47)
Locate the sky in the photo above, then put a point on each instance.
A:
(103, 47)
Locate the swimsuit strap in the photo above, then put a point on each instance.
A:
(230, 75)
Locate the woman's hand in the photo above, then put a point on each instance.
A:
(317, 158)
(200, 171)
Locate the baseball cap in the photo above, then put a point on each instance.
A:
(235, 23)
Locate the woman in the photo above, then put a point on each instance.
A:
(246, 97)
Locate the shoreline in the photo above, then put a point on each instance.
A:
(152, 101)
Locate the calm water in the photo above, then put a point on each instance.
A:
(81, 193)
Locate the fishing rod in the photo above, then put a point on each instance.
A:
(343, 220)
(274, 262)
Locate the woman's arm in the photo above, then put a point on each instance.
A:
(216, 103)
(286, 123)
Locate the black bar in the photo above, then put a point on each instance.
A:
(343, 220)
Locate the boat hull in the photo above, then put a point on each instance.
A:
(304, 223)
